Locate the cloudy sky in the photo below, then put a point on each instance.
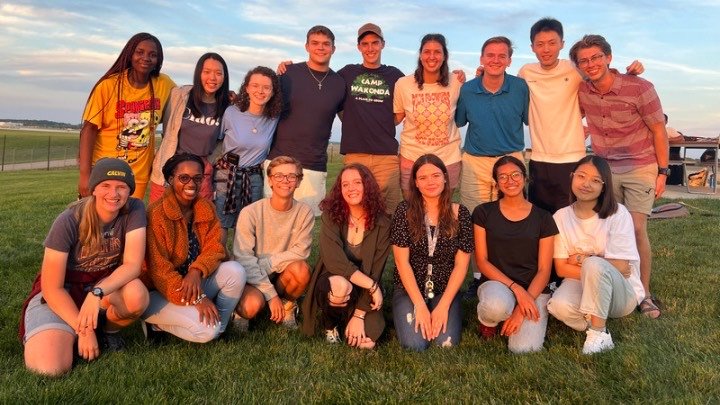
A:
(54, 51)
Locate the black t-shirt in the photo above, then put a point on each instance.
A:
(368, 121)
(513, 246)
(308, 114)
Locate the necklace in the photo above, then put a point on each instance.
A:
(319, 82)
(356, 221)
(255, 122)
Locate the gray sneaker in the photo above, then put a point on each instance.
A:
(291, 309)
(240, 324)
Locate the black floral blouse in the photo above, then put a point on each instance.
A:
(445, 250)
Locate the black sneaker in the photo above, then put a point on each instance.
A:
(112, 342)
(471, 292)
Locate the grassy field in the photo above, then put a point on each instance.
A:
(34, 146)
(675, 359)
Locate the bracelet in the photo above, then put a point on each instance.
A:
(359, 317)
(511, 284)
(200, 297)
(373, 287)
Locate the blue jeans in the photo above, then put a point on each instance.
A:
(404, 319)
(224, 287)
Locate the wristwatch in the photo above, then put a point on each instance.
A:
(98, 292)
(664, 170)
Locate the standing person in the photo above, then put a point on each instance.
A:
(596, 255)
(272, 242)
(432, 241)
(556, 132)
(513, 249)
(192, 122)
(627, 128)
(123, 110)
(496, 107)
(194, 291)
(312, 95)
(88, 286)
(368, 127)
(354, 245)
(246, 132)
(426, 101)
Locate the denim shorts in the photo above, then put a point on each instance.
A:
(39, 317)
(229, 220)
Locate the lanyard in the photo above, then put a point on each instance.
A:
(432, 239)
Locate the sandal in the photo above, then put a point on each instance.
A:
(649, 307)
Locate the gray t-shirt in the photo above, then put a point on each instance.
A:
(64, 236)
(199, 135)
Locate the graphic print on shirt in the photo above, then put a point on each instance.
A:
(140, 118)
(431, 113)
(106, 258)
(370, 87)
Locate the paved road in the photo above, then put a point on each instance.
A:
(39, 165)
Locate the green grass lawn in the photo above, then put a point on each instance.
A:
(35, 146)
(673, 359)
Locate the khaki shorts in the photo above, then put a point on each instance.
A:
(406, 172)
(311, 189)
(386, 170)
(636, 189)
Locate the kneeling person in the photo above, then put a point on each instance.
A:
(272, 241)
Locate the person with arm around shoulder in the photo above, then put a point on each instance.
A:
(247, 132)
(273, 237)
(432, 242)
(123, 110)
(192, 122)
(596, 255)
(513, 250)
(88, 286)
(354, 246)
(194, 289)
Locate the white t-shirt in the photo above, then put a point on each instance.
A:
(429, 125)
(611, 238)
(556, 131)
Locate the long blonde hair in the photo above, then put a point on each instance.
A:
(90, 228)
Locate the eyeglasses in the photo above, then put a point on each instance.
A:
(290, 177)
(515, 176)
(185, 178)
(258, 87)
(586, 61)
(584, 177)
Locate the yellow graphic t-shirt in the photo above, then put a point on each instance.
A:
(127, 123)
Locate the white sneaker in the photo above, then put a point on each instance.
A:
(597, 342)
(240, 324)
(332, 336)
(289, 321)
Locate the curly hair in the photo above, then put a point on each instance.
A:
(372, 202)
(416, 204)
(273, 107)
(168, 169)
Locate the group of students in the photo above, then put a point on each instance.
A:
(108, 262)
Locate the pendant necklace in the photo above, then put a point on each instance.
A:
(255, 122)
(319, 82)
(356, 222)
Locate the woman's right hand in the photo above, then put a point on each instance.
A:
(526, 303)
(88, 347)
(423, 321)
(208, 312)
(190, 286)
